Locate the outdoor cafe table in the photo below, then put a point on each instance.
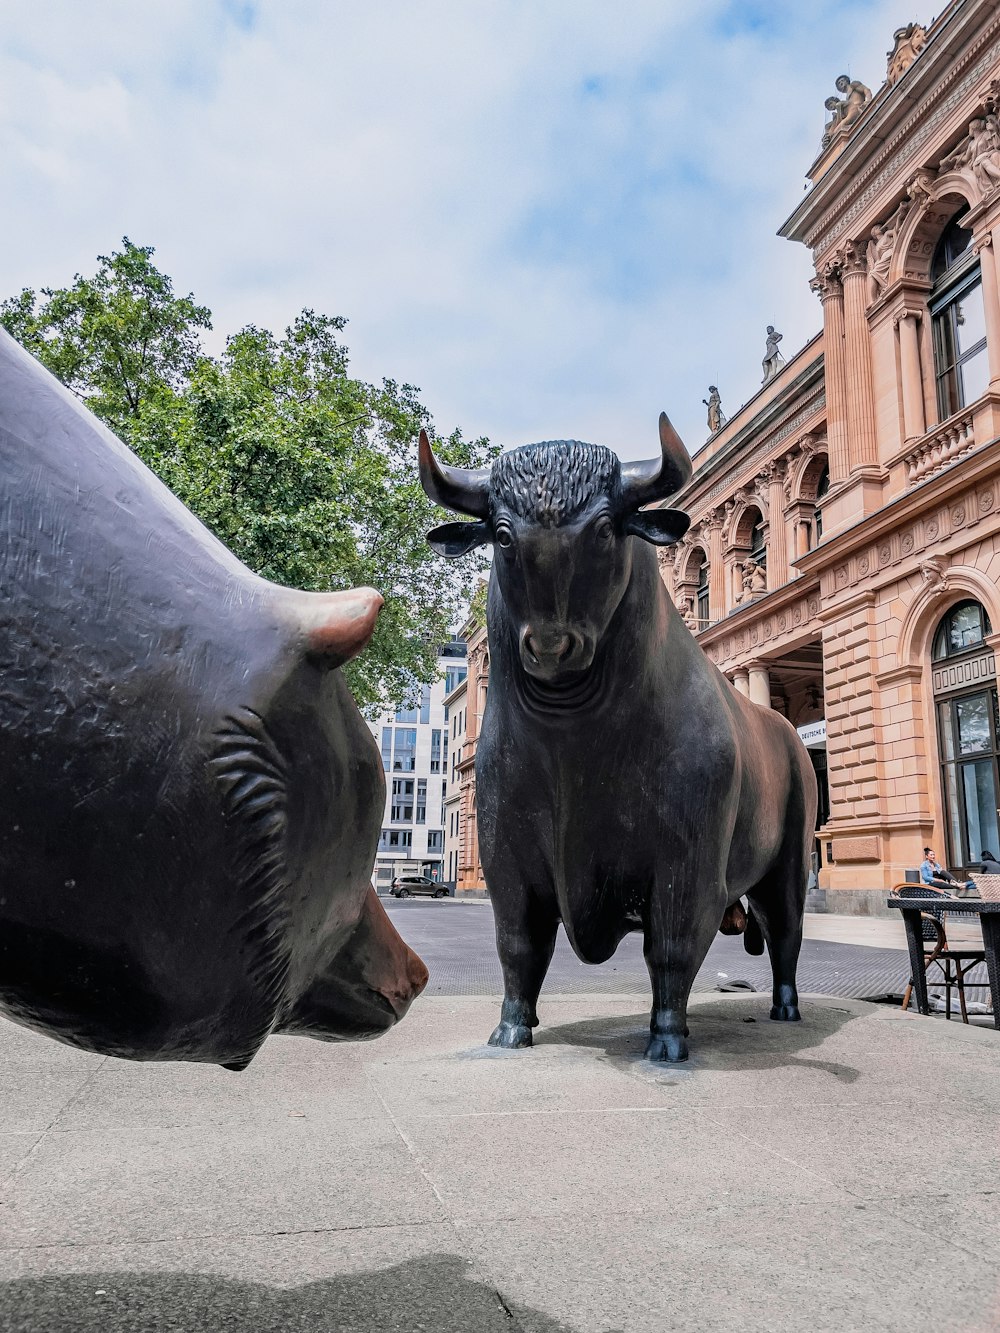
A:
(989, 921)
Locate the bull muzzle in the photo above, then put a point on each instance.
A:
(550, 654)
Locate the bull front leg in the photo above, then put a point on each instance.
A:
(526, 937)
(683, 920)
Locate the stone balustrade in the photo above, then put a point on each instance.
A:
(941, 447)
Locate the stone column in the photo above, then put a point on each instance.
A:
(777, 553)
(913, 384)
(859, 383)
(991, 304)
(830, 291)
(716, 566)
(760, 684)
(741, 680)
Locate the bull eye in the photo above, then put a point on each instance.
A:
(605, 530)
(504, 538)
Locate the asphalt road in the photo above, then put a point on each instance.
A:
(456, 941)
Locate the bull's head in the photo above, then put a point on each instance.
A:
(560, 516)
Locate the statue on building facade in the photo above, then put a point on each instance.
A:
(978, 152)
(909, 42)
(773, 360)
(984, 158)
(879, 256)
(846, 108)
(716, 417)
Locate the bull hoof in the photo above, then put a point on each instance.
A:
(511, 1036)
(668, 1046)
(786, 1013)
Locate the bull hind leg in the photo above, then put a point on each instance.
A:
(778, 906)
(525, 942)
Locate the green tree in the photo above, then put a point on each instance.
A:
(307, 474)
(119, 339)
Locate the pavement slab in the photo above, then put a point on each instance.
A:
(784, 1178)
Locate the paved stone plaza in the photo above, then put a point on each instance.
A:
(837, 1174)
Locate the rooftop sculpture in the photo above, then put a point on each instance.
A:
(190, 799)
(622, 783)
(846, 108)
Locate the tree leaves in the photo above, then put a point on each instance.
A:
(307, 474)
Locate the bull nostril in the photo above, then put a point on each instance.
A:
(564, 648)
(530, 646)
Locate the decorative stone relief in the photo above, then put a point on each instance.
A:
(908, 43)
(932, 569)
(979, 152)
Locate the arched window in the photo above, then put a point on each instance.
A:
(965, 626)
(822, 487)
(958, 321)
(758, 545)
(968, 732)
(702, 595)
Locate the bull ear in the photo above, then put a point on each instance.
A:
(454, 539)
(662, 527)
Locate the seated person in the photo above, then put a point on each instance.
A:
(932, 873)
(991, 866)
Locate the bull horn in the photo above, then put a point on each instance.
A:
(655, 479)
(338, 625)
(463, 490)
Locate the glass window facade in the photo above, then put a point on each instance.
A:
(404, 758)
(958, 320)
(969, 745)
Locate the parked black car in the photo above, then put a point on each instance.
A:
(404, 885)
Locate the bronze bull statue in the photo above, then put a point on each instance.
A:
(190, 799)
(622, 783)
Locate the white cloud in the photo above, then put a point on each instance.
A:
(556, 219)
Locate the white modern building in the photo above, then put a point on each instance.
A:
(455, 711)
(414, 745)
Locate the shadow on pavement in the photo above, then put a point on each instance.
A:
(431, 1293)
(725, 1036)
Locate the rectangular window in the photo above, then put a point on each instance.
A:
(435, 840)
(406, 715)
(395, 840)
(421, 800)
(401, 810)
(453, 676)
(425, 704)
(404, 759)
(386, 747)
(436, 751)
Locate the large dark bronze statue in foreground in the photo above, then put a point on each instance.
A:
(622, 783)
(189, 797)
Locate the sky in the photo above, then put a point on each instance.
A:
(555, 217)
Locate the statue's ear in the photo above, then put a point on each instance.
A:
(662, 527)
(455, 539)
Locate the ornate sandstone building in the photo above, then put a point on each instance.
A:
(844, 555)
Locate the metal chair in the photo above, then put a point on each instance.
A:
(954, 964)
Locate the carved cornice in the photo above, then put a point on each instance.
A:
(911, 140)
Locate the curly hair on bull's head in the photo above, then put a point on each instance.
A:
(550, 482)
